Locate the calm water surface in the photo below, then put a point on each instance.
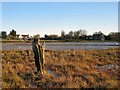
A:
(62, 45)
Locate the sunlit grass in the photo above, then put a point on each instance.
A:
(69, 69)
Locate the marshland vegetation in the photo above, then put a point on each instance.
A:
(63, 69)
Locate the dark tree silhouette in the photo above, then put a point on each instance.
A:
(13, 32)
(62, 34)
(3, 34)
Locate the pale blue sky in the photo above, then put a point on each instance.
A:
(50, 17)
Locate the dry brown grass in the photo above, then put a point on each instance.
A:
(63, 69)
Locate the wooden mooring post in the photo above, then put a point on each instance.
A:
(39, 55)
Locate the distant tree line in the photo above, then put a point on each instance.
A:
(11, 35)
(70, 36)
(73, 35)
(82, 35)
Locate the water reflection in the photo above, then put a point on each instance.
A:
(53, 73)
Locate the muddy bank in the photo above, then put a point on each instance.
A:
(63, 69)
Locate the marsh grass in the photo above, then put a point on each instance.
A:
(70, 69)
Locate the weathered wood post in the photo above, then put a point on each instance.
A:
(38, 50)
(42, 56)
